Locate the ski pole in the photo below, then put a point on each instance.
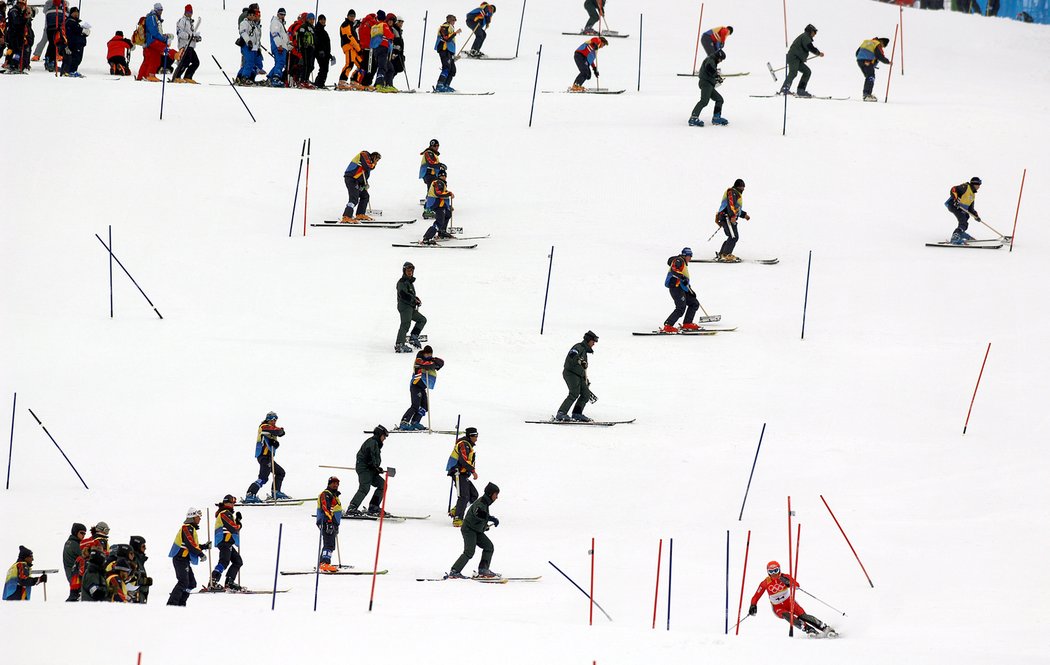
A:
(719, 228)
(338, 553)
(785, 66)
(737, 624)
(581, 590)
(993, 230)
(820, 601)
(207, 518)
(454, 478)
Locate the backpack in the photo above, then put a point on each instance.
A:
(138, 38)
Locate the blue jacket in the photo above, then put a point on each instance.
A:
(75, 38)
(153, 33)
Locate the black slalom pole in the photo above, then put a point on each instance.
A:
(581, 590)
(234, 89)
(536, 83)
(163, 82)
(111, 272)
(59, 448)
(422, 50)
(114, 256)
(546, 293)
(11, 445)
(276, 566)
(521, 24)
(752, 474)
(295, 201)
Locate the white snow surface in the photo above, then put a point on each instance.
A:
(867, 411)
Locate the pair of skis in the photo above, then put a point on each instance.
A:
(242, 592)
(365, 224)
(702, 332)
(764, 262)
(483, 580)
(274, 502)
(993, 243)
(342, 570)
(780, 94)
(583, 423)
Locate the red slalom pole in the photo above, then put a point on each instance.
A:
(889, 74)
(306, 195)
(976, 387)
(591, 620)
(140, 658)
(1018, 211)
(743, 580)
(789, 534)
(847, 541)
(794, 576)
(696, 51)
(379, 539)
(656, 596)
(901, 23)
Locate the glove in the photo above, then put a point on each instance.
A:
(752, 611)
(391, 471)
(278, 432)
(196, 38)
(206, 546)
(595, 70)
(418, 302)
(237, 515)
(474, 474)
(747, 216)
(380, 470)
(251, 47)
(43, 578)
(331, 60)
(494, 520)
(280, 49)
(330, 529)
(146, 581)
(67, 51)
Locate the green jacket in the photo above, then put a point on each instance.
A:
(709, 72)
(70, 552)
(369, 457)
(477, 517)
(406, 292)
(576, 360)
(802, 47)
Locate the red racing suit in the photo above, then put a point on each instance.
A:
(779, 590)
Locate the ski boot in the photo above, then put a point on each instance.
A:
(364, 218)
(251, 498)
(577, 88)
(402, 348)
(352, 513)
(957, 239)
(690, 326)
(580, 418)
(802, 93)
(234, 587)
(441, 87)
(868, 97)
(414, 341)
(455, 575)
(727, 258)
(405, 426)
(215, 587)
(347, 219)
(719, 120)
(449, 88)
(488, 574)
(966, 236)
(562, 417)
(695, 122)
(419, 427)
(375, 511)
(784, 91)
(281, 496)
(327, 568)
(668, 329)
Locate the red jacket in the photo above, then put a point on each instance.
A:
(778, 588)
(364, 31)
(117, 47)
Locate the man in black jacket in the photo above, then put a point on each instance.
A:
(408, 307)
(709, 79)
(574, 372)
(70, 552)
(370, 473)
(475, 524)
(76, 40)
(797, 55)
(323, 51)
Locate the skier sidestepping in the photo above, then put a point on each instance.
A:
(355, 177)
(477, 20)
(715, 39)
(424, 377)
(185, 553)
(709, 80)
(439, 202)
(227, 539)
(585, 57)
(682, 293)
(574, 371)
(778, 585)
(408, 307)
(731, 209)
(446, 50)
(370, 473)
(329, 514)
(796, 61)
(961, 204)
(475, 524)
(461, 469)
(869, 55)
(595, 12)
(428, 169)
(265, 447)
(19, 582)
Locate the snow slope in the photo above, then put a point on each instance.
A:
(867, 411)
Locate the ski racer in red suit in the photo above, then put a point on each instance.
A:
(778, 585)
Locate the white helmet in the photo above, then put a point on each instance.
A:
(193, 512)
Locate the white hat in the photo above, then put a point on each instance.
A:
(193, 512)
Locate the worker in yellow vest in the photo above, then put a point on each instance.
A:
(869, 55)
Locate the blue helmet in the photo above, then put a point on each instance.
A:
(271, 416)
(687, 251)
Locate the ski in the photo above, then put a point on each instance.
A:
(593, 423)
(765, 262)
(384, 225)
(595, 34)
(836, 99)
(242, 591)
(487, 235)
(275, 502)
(394, 430)
(313, 571)
(965, 246)
(486, 57)
(686, 333)
(367, 222)
(421, 245)
(725, 76)
(714, 318)
(586, 92)
(375, 518)
(461, 94)
(494, 580)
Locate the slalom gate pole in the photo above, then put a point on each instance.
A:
(670, 568)
(805, 300)
(743, 581)
(114, 256)
(45, 592)
(696, 51)
(426, 391)
(546, 292)
(11, 443)
(535, 84)
(794, 576)
(785, 24)
(163, 83)
(276, 566)
(1018, 211)
(422, 49)
(847, 541)
(338, 552)
(317, 565)
(784, 129)
(968, 411)
(780, 69)
(379, 539)
(111, 273)
(454, 478)
(889, 74)
(900, 22)
(56, 446)
(591, 594)
(821, 601)
(790, 513)
(600, 609)
(752, 474)
(640, 18)
(727, 581)
(306, 192)
(521, 24)
(295, 199)
(234, 88)
(207, 521)
(656, 594)
(273, 476)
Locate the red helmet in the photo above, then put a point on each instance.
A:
(773, 568)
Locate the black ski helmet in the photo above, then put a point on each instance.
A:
(589, 335)
(885, 41)
(137, 543)
(471, 431)
(975, 181)
(77, 528)
(434, 143)
(332, 479)
(738, 184)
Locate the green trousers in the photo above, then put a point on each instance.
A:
(471, 540)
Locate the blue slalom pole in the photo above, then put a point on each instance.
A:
(521, 24)
(234, 88)
(276, 566)
(581, 590)
(423, 49)
(163, 83)
(114, 258)
(317, 565)
(727, 581)
(640, 17)
(295, 201)
(670, 567)
(805, 301)
(59, 448)
(546, 293)
(11, 445)
(752, 474)
(111, 271)
(535, 84)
